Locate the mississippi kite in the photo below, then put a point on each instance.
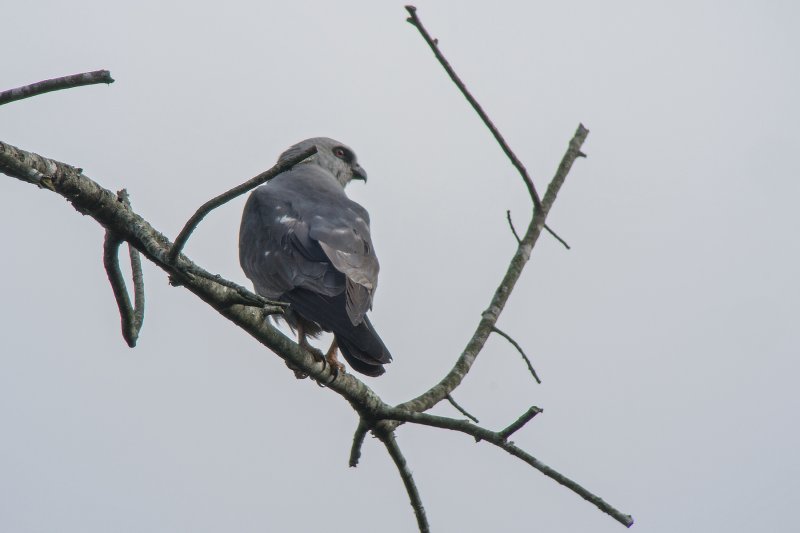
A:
(304, 242)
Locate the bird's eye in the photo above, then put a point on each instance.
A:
(341, 153)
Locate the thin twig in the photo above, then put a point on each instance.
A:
(514, 343)
(559, 239)
(206, 208)
(434, 46)
(511, 225)
(131, 317)
(461, 409)
(482, 434)
(387, 437)
(55, 84)
(358, 442)
(247, 297)
(518, 423)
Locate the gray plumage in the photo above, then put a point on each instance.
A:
(304, 242)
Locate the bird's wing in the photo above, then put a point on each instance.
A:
(276, 251)
(298, 233)
(345, 238)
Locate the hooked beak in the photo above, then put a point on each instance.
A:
(359, 173)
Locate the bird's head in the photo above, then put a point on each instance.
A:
(335, 157)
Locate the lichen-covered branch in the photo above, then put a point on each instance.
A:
(248, 310)
(91, 199)
(131, 316)
(101, 204)
(56, 84)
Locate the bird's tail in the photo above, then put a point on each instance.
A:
(363, 349)
(360, 345)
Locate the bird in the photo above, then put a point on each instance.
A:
(304, 242)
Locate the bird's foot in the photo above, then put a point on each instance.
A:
(331, 358)
(317, 354)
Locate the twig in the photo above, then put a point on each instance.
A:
(518, 423)
(131, 317)
(461, 409)
(434, 46)
(496, 438)
(387, 437)
(559, 239)
(217, 201)
(55, 84)
(511, 225)
(358, 442)
(246, 297)
(520, 350)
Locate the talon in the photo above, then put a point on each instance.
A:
(331, 358)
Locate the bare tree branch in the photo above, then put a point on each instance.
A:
(252, 183)
(515, 426)
(247, 310)
(461, 409)
(55, 84)
(131, 317)
(520, 350)
(497, 439)
(102, 205)
(387, 437)
(489, 317)
(358, 442)
(434, 45)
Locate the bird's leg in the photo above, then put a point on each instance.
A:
(303, 342)
(331, 358)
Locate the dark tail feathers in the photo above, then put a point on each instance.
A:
(360, 345)
(363, 349)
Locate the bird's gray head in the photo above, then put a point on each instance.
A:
(335, 157)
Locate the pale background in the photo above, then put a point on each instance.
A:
(667, 338)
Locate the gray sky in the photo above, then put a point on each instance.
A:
(667, 338)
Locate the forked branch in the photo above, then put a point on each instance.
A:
(131, 316)
(247, 309)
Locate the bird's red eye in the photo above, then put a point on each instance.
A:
(339, 152)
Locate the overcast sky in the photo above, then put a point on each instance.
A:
(667, 338)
